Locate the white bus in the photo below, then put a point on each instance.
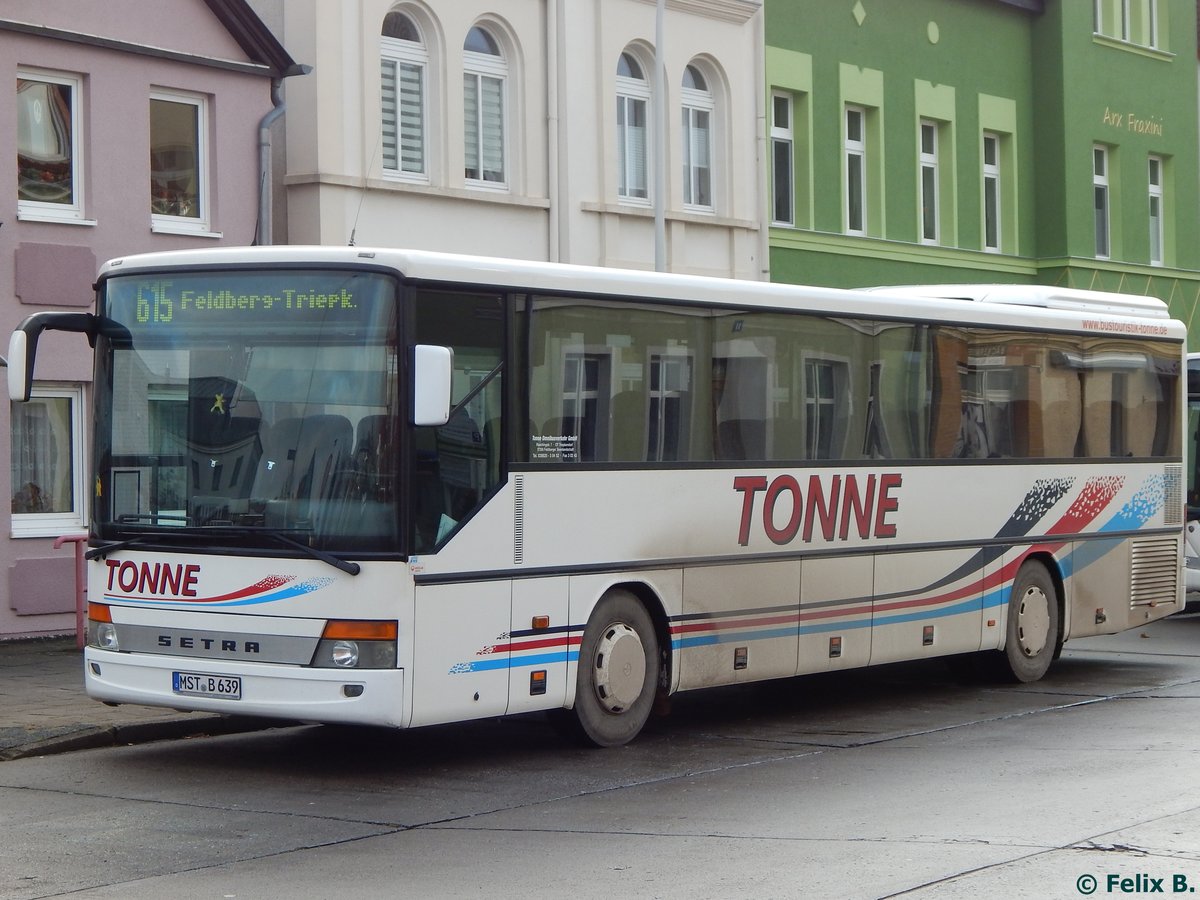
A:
(405, 488)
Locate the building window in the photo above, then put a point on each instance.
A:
(783, 186)
(48, 498)
(991, 192)
(669, 417)
(929, 182)
(1100, 200)
(403, 64)
(1156, 210)
(1131, 21)
(485, 75)
(820, 408)
(49, 170)
(697, 140)
(178, 161)
(856, 170)
(633, 102)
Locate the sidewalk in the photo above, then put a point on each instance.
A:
(44, 709)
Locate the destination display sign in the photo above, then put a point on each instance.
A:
(218, 300)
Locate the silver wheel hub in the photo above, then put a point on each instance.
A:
(1033, 621)
(620, 668)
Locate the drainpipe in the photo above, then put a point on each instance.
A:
(263, 234)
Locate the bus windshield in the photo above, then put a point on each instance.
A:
(248, 407)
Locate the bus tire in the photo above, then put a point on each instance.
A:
(618, 671)
(1031, 639)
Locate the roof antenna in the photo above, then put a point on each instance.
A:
(363, 190)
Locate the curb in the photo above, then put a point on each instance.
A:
(91, 737)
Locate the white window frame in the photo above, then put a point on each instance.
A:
(698, 106)
(633, 93)
(477, 67)
(993, 216)
(929, 185)
(1154, 178)
(198, 224)
(1101, 205)
(855, 150)
(400, 54)
(42, 525)
(1123, 29)
(783, 171)
(73, 212)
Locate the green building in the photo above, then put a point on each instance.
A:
(1033, 141)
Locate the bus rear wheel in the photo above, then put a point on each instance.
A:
(618, 671)
(1031, 642)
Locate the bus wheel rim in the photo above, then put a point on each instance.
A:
(620, 668)
(1033, 621)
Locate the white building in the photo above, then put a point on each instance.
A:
(527, 128)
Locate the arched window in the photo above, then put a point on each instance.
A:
(485, 74)
(404, 62)
(697, 139)
(633, 101)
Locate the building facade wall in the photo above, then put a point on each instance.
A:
(559, 198)
(49, 258)
(1044, 85)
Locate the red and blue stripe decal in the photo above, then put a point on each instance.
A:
(267, 590)
(965, 589)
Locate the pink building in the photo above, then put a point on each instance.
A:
(135, 126)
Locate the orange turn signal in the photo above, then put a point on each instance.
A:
(357, 630)
(99, 612)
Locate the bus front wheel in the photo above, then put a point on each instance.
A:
(1032, 635)
(618, 671)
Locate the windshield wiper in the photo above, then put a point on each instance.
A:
(350, 568)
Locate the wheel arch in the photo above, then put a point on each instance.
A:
(653, 604)
(1054, 570)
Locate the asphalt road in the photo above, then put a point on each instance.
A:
(898, 781)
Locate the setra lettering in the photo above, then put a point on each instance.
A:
(830, 508)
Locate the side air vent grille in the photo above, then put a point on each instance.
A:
(1154, 571)
(1173, 490)
(518, 519)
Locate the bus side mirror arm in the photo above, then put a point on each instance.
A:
(22, 346)
(433, 373)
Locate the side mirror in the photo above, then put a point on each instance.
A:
(22, 346)
(433, 373)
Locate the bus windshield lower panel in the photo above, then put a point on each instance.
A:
(249, 408)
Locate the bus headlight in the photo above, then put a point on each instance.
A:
(102, 632)
(345, 654)
(106, 636)
(355, 644)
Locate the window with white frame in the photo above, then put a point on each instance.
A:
(49, 146)
(1155, 180)
(856, 170)
(47, 462)
(404, 62)
(633, 103)
(1131, 21)
(179, 161)
(991, 192)
(783, 186)
(1100, 201)
(697, 137)
(930, 225)
(485, 77)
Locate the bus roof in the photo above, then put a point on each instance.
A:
(1040, 307)
(1041, 295)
